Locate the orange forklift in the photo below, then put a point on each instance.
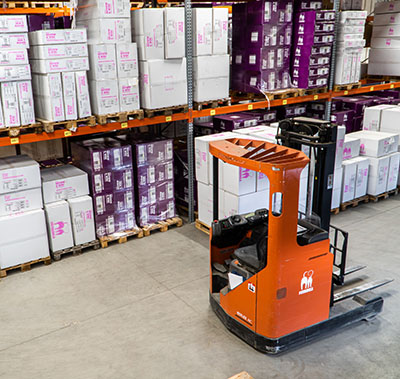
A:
(273, 276)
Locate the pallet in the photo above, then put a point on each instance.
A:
(346, 87)
(183, 210)
(375, 199)
(313, 91)
(335, 211)
(242, 375)
(162, 226)
(75, 250)
(17, 4)
(121, 237)
(103, 119)
(15, 131)
(353, 203)
(168, 111)
(211, 104)
(72, 125)
(382, 78)
(24, 266)
(137, 4)
(46, 4)
(273, 95)
(202, 226)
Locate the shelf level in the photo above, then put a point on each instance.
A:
(58, 12)
(86, 130)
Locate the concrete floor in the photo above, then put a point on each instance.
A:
(140, 310)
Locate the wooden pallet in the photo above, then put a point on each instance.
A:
(183, 210)
(15, 131)
(168, 111)
(382, 78)
(46, 4)
(162, 226)
(211, 104)
(346, 87)
(17, 4)
(335, 211)
(375, 199)
(75, 250)
(242, 375)
(72, 125)
(202, 226)
(137, 114)
(121, 237)
(273, 95)
(313, 91)
(353, 203)
(24, 266)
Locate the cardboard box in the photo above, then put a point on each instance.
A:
(49, 103)
(14, 40)
(386, 31)
(69, 95)
(43, 150)
(262, 182)
(104, 96)
(118, 222)
(14, 56)
(58, 51)
(361, 176)
(220, 31)
(378, 175)
(390, 120)
(82, 93)
(387, 7)
(57, 36)
(372, 116)
(148, 32)
(163, 83)
(49, 66)
(127, 60)
(205, 203)
(63, 182)
(387, 19)
(351, 147)
(8, 73)
(202, 156)
(202, 31)
(174, 32)
(341, 131)
(25, 100)
(381, 68)
(15, 250)
(107, 30)
(238, 180)
(211, 77)
(385, 43)
(244, 204)
(349, 180)
(59, 225)
(155, 152)
(23, 201)
(128, 94)
(108, 181)
(89, 9)
(377, 144)
(18, 173)
(9, 97)
(82, 217)
(112, 202)
(393, 173)
(337, 188)
(103, 62)
(13, 24)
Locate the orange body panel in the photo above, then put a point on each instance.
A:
(293, 290)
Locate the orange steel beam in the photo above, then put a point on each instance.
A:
(58, 12)
(85, 130)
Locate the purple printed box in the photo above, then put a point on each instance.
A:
(310, 82)
(356, 104)
(155, 193)
(314, 60)
(154, 152)
(344, 118)
(310, 50)
(260, 59)
(262, 12)
(306, 5)
(325, 15)
(234, 121)
(285, 11)
(263, 115)
(294, 110)
(40, 22)
(114, 223)
(357, 123)
(257, 36)
(310, 39)
(111, 181)
(151, 174)
(157, 212)
(112, 202)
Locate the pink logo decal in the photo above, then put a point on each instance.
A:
(57, 228)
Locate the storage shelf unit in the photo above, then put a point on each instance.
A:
(57, 12)
(85, 130)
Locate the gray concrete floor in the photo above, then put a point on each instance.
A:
(140, 310)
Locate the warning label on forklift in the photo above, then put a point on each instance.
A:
(306, 283)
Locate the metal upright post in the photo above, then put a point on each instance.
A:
(328, 108)
(190, 134)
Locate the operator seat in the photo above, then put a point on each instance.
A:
(254, 255)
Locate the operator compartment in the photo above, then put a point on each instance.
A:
(246, 238)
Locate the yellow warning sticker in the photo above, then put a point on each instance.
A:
(124, 125)
(250, 107)
(14, 141)
(168, 118)
(67, 133)
(212, 112)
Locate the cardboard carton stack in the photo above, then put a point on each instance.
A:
(160, 37)
(350, 46)
(59, 61)
(69, 209)
(16, 105)
(210, 54)
(261, 40)
(21, 213)
(384, 56)
(109, 166)
(312, 47)
(114, 85)
(155, 181)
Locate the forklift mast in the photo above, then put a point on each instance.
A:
(320, 136)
